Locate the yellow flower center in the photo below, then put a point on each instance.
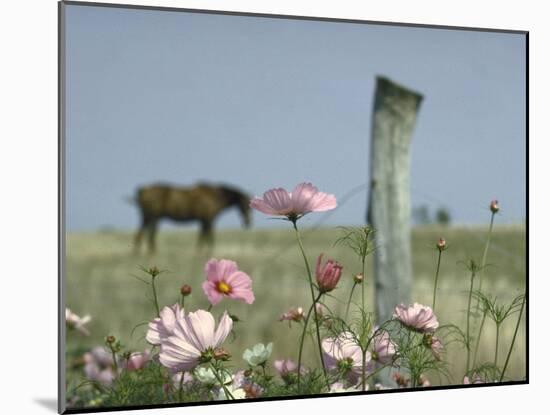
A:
(223, 287)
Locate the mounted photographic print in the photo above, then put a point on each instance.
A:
(263, 207)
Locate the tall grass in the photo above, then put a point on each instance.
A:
(102, 281)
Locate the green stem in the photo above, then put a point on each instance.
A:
(216, 374)
(312, 298)
(363, 260)
(513, 338)
(414, 381)
(363, 370)
(479, 336)
(308, 315)
(436, 278)
(180, 390)
(115, 364)
(209, 307)
(182, 302)
(349, 300)
(155, 296)
(468, 320)
(496, 345)
(485, 251)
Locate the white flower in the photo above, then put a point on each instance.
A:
(206, 375)
(258, 355)
(339, 387)
(237, 393)
(75, 322)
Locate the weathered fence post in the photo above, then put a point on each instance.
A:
(389, 210)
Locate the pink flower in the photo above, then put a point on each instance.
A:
(424, 381)
(163, 326)
(416, 316)
(223, 279)
(303, 199)
(137, 361)
(193, 340)
(177, 380)
(99, 366)
(285, 367)
(293, 314)
(252, 390)
(437, 347)
(344, 354)
(383, 348)
(475, 380)
(327, 275)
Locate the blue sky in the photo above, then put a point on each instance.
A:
(260, 102)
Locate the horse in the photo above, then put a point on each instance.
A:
(202, 202)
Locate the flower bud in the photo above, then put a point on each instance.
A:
(221, 354)
(110, 339)
(358, 278)
(293, 314)
(153, 271)
(327, 275)
(185, 290)
(441, 244)
(494, 206)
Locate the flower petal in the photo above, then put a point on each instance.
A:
(224, 328)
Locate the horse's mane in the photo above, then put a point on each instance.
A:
(233, 194)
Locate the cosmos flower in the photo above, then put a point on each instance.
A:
(303, 199)
(193, 340)
(285, 367)
(424, 381)
(383, 348)
(293, 314)
(99, 366)
(342, 353)
(236, 393)
(338, 387)
(475, 380)
(417, 316)
(77, 323)
(327, 275)
(207, 376)
(164, 325)
(176, 379)
(252, 390)
(137, 361)
(224, 279)
(436, 346)
(258, 355)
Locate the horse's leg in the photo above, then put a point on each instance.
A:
(210, 235)
(204, 243)
(139, 235)
(151, 235)
(201, 239)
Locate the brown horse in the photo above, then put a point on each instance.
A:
(202, 202)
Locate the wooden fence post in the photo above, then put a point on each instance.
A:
(389, 210)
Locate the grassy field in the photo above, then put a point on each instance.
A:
(101, 269)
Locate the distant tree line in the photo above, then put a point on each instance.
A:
(422, 216)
